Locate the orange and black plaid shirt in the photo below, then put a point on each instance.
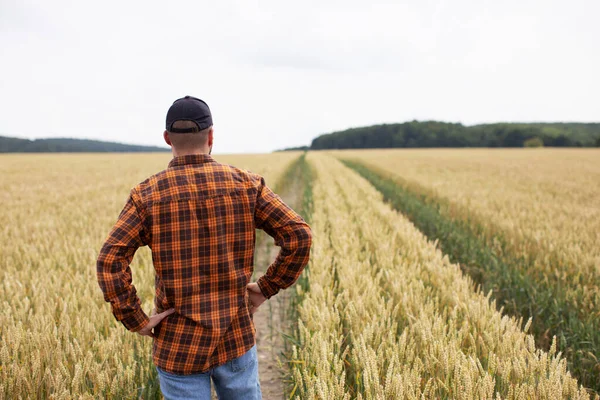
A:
(199, 218)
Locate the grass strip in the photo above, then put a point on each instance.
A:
(299, 177)
(492, 267)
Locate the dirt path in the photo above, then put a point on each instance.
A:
(272, 319)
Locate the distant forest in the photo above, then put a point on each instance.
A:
(16, 145)
(443, 134)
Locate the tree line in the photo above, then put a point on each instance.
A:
(17, 145)
(442, 134)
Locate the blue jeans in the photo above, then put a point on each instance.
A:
(237, 379)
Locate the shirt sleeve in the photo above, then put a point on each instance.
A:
(112, 267)
(290, 232)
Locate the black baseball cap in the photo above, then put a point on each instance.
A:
(189, 108)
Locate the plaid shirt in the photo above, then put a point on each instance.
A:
(199, 218)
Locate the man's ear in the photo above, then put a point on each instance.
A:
(167, 139)
(210, 137)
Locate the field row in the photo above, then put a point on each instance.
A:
(524, 224)
(388, 316)
(543, 202)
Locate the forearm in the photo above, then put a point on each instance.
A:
(290, 262)
(115, 281)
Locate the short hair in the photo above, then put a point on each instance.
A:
(196, 138)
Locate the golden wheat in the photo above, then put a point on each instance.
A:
(389, 317)
(58, 338)
(544, 203)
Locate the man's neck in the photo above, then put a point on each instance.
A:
(177, 153)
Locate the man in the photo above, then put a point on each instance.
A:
(199, 218)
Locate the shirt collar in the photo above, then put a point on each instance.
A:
(190, 159)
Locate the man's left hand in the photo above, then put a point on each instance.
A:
(256, 297)
(154, 320)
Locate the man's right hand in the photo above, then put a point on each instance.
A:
(256, 296)
(155, 319)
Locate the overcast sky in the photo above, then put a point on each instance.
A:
(279, 73)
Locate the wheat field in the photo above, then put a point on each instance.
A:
(389, 317)
(538, 211)
(544, 201)
(58, 338)
(380, 312)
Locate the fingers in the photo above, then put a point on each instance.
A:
(156, 319)
(253, 287)
(166, 313)
(255, 301)
(253, 309)
(145, 332)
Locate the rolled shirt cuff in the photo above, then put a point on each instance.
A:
(136, 321)
(267, 288)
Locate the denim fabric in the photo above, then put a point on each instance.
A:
(235, 380)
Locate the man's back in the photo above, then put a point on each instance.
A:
(199, 219)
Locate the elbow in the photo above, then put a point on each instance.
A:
(103, 279)
(304, 240)
(308, 237)
(103, 265)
